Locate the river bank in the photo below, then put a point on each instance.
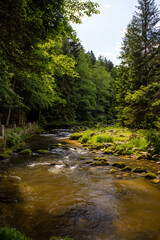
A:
(16, 137)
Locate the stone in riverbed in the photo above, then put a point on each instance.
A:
(139, 169)
(150, 175)
(156, 181)
(42, 151)
(119, 164)
(26, 151)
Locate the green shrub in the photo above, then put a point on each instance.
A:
(11, 234)
(42, 121)
(104, 139)
(13, 139)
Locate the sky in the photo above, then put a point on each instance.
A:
(103, 33)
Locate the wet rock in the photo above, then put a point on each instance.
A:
(150, 175)
(106, 145)
(113, 171)
(150, 150)
(89, 161)
(156, 181)
(158, 163)
(119, 164)
(158, 172)
(156, 157)
(100, 163)
(42, 151)
(127, 168)
(139, 169)
(92, 134)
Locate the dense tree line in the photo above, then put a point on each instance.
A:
(46, 75)
(138, 82)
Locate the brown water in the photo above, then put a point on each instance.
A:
(58, 194)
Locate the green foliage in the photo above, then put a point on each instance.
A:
(104, 139)
(11, 234)
(13, 139)
(153, 138)
(42, 121)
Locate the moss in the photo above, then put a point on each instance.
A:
(57, 145)
(4, 156)
(150, 175)
(100, 163)
(7, 233)
(42, 151)
(103, 158)
(82, 158)
(127, 168)
(75, 136)
(89, 161)
(139, 169)
(26, 151)
(113, 171)
(119, 164)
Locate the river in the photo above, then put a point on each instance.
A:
(58, 194)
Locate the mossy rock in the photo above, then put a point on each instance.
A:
(4, 156)
(100, 163)
(139, 169)
(150, 175)
(103, 159)
(82, 158)
(75, 136)
(119, 164)
(89, 161)
(60, 238)
(127, 168)
(113, 171)
(108, 151)
(42, 151)
(26, 151)
(57, 145)
(96, 158)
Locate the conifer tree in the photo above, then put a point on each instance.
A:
(138, 83)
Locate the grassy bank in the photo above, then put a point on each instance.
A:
(14, 137)
(121, 141)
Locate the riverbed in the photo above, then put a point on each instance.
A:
(58, 194)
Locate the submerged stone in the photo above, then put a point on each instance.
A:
(113, 171)
(139, 169)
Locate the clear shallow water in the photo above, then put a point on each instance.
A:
(58, 194)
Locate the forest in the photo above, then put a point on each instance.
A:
(46, 75)
(80, 139)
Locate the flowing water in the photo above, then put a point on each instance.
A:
(59, 194)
